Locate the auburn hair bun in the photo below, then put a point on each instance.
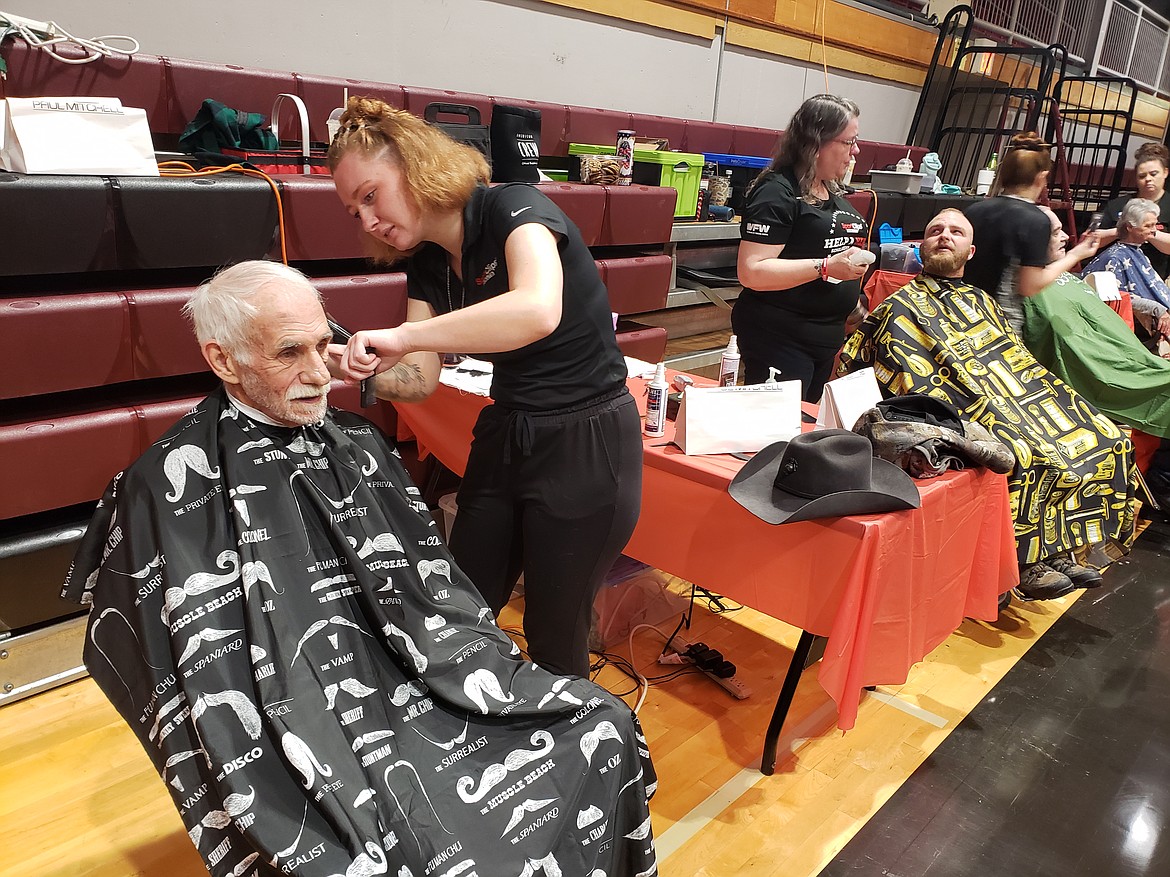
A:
(1030, 141)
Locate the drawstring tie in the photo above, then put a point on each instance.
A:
(522, 431)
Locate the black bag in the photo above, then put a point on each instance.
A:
(515, 144)
(468, 131)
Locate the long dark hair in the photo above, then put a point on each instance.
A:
(819, 120)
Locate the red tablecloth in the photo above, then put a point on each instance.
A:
(884, 589)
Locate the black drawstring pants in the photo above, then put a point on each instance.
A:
(555, 495)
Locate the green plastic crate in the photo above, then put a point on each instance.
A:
(679, 170)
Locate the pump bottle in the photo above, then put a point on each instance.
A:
(656, 392)
(729, 364)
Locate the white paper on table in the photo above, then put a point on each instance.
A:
(846, 399)
(470, 376)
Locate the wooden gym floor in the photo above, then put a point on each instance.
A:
(79, 797)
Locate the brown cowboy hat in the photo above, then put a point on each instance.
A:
(827, 473)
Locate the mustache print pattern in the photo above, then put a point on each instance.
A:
(145, 571)
(317, 627)
(93, 629)
(450, 744)
(525, 807)
(200, 583)
(240, 705)
(301, 757)
(497, 773)
(437, 567)
(589, 815)
(289, 850)
(179, 758)
(323, 584)
(301, 445)
(350, 686)
(234, 805)
(557, 692)
(386, 779)
(434, 622)
(240, 505)
(381, 542)
(641, 832)
(548, 864)
(420, 660)
(207, 635)
(372, 737)
(252, 446)
(180, 461)
(239, 870)
(165, 710)
(465, 865)
(481, 682)
(367, 864)
(592, 739)
(404, 692)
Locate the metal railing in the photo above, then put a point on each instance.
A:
(1116, 37)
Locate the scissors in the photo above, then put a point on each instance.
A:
(941, 377)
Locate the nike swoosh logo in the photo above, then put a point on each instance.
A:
(516, 213)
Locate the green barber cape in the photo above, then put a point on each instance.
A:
(1084, 341)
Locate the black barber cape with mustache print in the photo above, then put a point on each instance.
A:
(321, 688)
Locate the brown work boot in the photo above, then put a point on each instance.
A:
(1081, 576)
(1041, 582)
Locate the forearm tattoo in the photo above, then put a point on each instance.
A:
(404, 382)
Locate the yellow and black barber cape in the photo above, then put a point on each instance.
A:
(1072, 486)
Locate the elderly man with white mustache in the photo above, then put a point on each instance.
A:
(321, 688)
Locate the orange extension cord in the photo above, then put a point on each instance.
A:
(182, 169)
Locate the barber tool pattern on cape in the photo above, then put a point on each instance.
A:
(321, 689)
(1072, 484)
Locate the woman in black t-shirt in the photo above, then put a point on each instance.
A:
(1152, 166)
(797, 234)
(1011, 234)
(554, 477)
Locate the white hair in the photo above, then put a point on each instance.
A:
(222, 309)
(1134, 212)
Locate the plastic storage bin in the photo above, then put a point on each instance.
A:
(679, 170)
(744, 169)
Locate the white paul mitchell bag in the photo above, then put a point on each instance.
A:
(76, 135)
(730, 420)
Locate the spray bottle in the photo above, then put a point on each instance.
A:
(656, 392)
(729, 364)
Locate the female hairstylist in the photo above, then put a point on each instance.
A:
(1011, 234)
(554, 479)
(1151, 166)
(797, 233)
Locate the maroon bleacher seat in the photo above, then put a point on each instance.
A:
(161, 339)
(316, 225)
(712, 137)
(65, 460)
(647, 343)
(64, 342)
(583, 204)
(747, 140)
(636, 284)
(592, 125)
(136, 81)
(418, 98)
(247, 89)
(650, 127)
(553, 118)
(637, 215)
(323, 94)
(365, 301)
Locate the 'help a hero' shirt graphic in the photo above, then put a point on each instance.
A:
(847, 230)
